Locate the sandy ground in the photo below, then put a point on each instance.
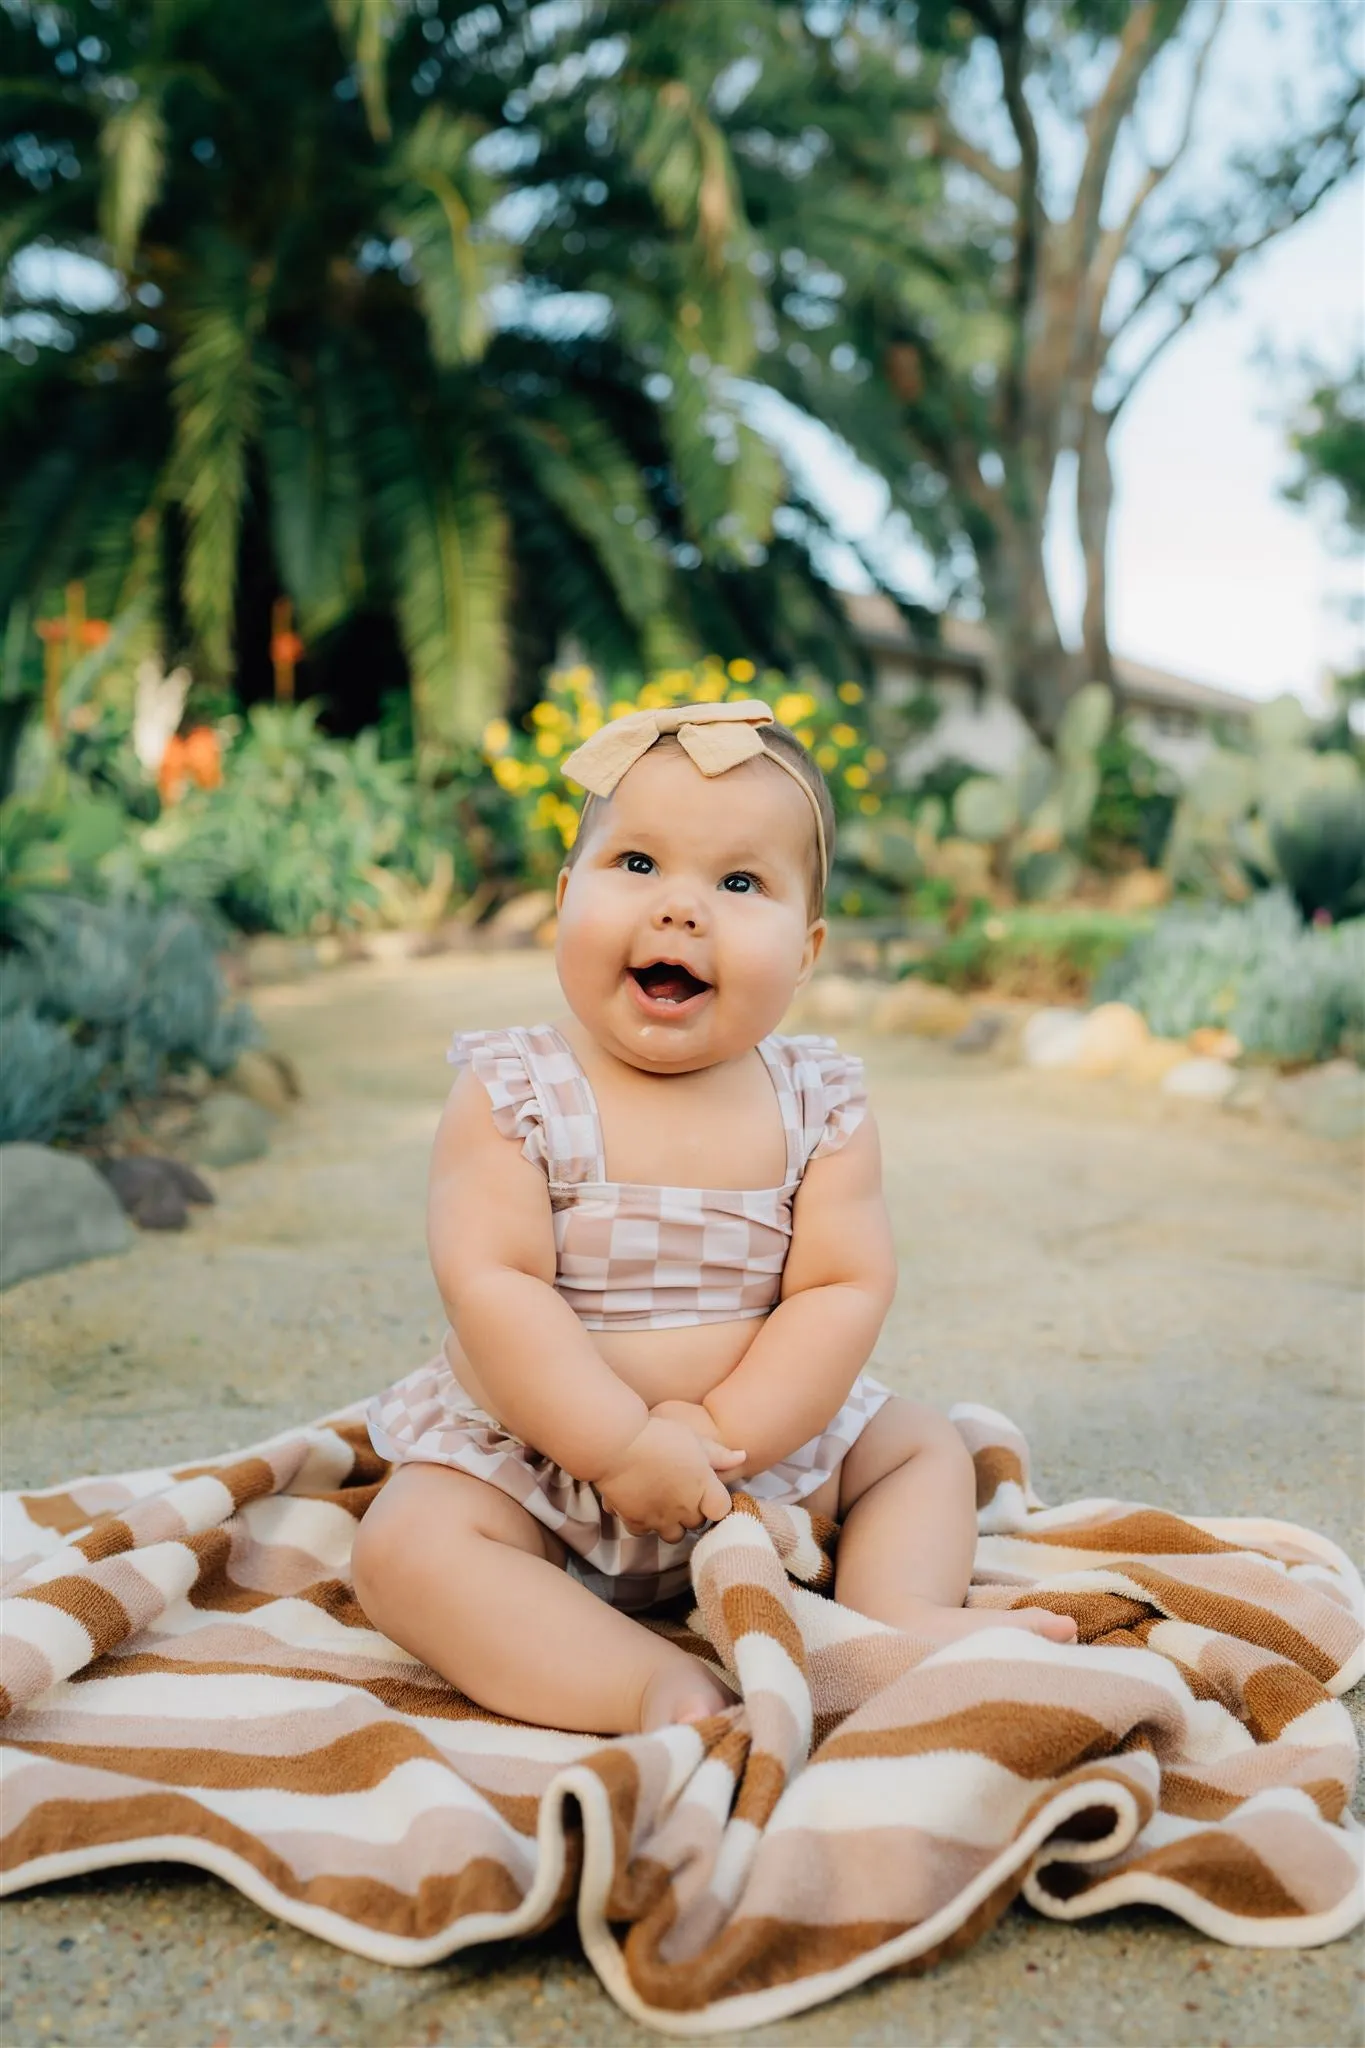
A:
(1167, 1299)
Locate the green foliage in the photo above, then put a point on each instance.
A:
(101, 1004)
(1135, 805)
(1041, 954)
(1038, 816)
(1329, 440)
(1244, 803)
(305, 835)
(1288, 991)
(1319, 849)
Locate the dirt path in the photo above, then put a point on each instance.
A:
(1167, 1300)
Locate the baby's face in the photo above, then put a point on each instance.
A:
(684, 926)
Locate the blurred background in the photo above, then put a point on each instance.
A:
(393, 390)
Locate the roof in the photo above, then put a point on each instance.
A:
(966, 646)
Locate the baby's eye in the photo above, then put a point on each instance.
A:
(629, 863)
(740, 884)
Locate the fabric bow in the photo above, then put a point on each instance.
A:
(715, 737)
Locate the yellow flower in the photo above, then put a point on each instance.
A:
(536, 776)
(653, 697)
(547, 807)
(856, 776)
(547, 743)
(869, 804)
(589, 720)
(508, 774)
(827, 756)
(874, 759)
(710, 689)
(850, 693)
(793, 706)
(844, 736)
(579, 677)
(496, 735)
(621, 709)
(546, 714)
(742, 671)
(805, 734)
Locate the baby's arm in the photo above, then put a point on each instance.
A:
(491, 1238)
(838, 1283)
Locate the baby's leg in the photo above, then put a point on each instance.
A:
(463, 1576)
(907, 1499)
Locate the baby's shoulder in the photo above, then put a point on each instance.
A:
(829, 1087)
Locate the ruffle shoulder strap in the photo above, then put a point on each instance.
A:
(832, 1092)
(499, 1060)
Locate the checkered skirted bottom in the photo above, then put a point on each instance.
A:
(427, 1418)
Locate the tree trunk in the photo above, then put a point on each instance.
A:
(1094, 507)
(1035, 670)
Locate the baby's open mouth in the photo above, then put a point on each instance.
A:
(665, 981)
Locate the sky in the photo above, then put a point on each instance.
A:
(1212, 574)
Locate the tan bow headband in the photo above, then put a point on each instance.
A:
(713, 736)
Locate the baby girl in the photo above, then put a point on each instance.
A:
(659, 1233)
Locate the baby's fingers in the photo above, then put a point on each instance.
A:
(722, 1458)
(715, 1501)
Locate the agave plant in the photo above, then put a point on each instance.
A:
(343, 290)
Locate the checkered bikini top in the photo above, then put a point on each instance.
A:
(631, 1257)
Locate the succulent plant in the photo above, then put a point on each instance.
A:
(1277, 810)
(1036, 817)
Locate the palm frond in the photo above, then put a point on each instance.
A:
(133, 145)
(365, 28)
(316, 496)
(216, 403)
(435, 210)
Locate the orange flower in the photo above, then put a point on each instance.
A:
(203, 756)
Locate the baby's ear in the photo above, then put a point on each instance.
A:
(561, 884)
(815, 939)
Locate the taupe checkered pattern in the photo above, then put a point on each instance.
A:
(632, 1257)
(429, 1419)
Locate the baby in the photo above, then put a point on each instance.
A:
(659, 1233)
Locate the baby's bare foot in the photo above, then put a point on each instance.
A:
(947, 1624)
(686, 1691)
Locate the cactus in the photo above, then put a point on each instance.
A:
(1036, 817)
(1275, 811)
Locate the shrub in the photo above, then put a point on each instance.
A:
(1043, 955)
(1319, 848)
(98, 1006)
(1289, 991)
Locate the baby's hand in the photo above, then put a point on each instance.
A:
(665, 1482)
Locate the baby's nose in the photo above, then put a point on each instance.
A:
(679, 912)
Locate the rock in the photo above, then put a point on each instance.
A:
(262, 1078)
(981, 1033)
(1052, 1038)
(55, 1210)
(329, 951)
(1201, 1080)
(1210, 1042)
(1326, 1101)
(156, 1193)
(228, 1130)
(832, 1001)
(1151, 1062)
(1253, 1092)
(518, 921)
(1141, 889)
(921, 1008)
(1110, 1037)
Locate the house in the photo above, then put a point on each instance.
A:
(1174, 719)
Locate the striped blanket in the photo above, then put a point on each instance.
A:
(188, 1678)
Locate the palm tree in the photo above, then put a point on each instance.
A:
(346, 310)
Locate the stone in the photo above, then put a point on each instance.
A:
(1151, 1062)
(1140, 889)
(1052, 1038)
(518, 921)
(981, 1033)
(262, 1078)
(1253, 1093)
(1211, 1042)
(1201, 1080)
(1110, 1036)
(1326, 1101)
(832, 1001)
(156, 1193)
(922, 1009)
(55, 1210)
(228, 1130)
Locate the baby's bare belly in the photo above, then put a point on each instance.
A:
(660, 1365)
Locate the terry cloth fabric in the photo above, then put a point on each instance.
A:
(634, 1257)
(189, 1679)
(429, 1419)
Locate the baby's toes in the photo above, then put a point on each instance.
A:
(1058, 1628)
